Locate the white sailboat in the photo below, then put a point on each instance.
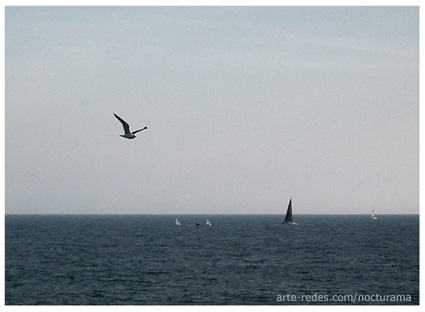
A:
(288, 218)
(208, 223)
(373, 215)
(178, 222)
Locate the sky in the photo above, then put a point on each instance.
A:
(246, 107)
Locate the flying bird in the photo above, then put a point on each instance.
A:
(127, 134)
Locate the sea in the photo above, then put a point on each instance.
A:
(239, 260)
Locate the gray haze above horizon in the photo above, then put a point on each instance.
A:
(246, 107)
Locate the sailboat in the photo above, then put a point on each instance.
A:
(178, 222)
(288, 218)
(373, 215)
(208, 223)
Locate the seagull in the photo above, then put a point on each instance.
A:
(127, 134)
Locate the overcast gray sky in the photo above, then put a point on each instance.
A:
(246, 107)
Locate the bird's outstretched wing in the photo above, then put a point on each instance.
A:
(134, 132)
(124, 124)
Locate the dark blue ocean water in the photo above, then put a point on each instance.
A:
(240, 260)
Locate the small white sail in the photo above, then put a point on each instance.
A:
(208, 223)
(373, 215)
(178, 222)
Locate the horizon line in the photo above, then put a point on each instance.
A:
(199, 214)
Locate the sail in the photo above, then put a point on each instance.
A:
(208, 222)
(177, 222)
(289, 212)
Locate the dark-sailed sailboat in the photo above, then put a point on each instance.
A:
(288, 218)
